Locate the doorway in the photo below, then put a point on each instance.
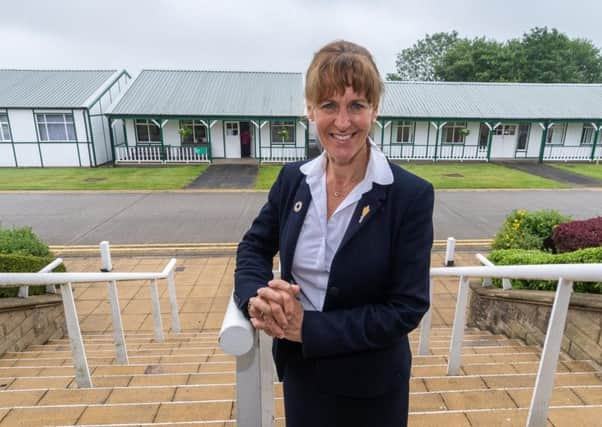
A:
(232, 140)
(245, 139)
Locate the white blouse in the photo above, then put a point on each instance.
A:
(321, 236)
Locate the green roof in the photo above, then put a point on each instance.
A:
(212, 93)
(492, 100)
(50, 88)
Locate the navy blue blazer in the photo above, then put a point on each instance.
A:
(378, 288)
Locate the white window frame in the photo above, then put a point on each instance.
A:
(453, 127)
(398, 128)
(194, 126)
(560, 127)
(587, 134)
(506, 130)
(4, 122)
(148, 124)
(291, 125)
(44, 123)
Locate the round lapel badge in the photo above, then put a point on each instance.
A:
(298, 206)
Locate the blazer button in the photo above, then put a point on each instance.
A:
(333, 291)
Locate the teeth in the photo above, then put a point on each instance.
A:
(342, 137)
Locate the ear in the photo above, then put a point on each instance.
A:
(310, 112)
(374, 113)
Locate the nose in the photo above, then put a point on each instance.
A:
(342, 119)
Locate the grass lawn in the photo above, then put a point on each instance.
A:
(104, 178)
(451, 176)
(591, 170)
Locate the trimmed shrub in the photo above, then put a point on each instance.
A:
(528, 230)
(525, 257)
(15, 263)
(576, 235)
(22, 241)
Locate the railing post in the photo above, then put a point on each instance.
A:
(80, 362)
(425, 325)
(118, 334)
(455, 348)
(450, 250)
(544, 383)
(50, 289)
(157, 322)
(255, 372)
(173, 302)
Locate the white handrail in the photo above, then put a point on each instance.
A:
(50, 289)
(506, 283)
(17, 279)
(574, 272)
(237, 334)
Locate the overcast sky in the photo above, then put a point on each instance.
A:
(270, 35)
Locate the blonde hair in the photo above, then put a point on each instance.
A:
(340, 64)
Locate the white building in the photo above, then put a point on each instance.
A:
(171, 116)
(56, 117)
(487, 121)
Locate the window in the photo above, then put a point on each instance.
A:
(147, 131)
(556, 134)
(404, 132)
(192, 132)
(55, 127)
(4, 128)
(454, 132)
(505, 130)
(587, 135)
(283, 132)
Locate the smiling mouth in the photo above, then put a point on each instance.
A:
(344, 137)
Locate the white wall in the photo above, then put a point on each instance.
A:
(217, 139)
(22, 125)
(7, 158)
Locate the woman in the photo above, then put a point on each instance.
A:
(354, 234)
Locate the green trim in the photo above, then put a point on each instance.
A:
(428, 137)
(90, 105)
(596, 134)
(436, 141)
(91, 137)
(125, 132)
(12, 139)
(382, 134)
(544, 136)
(35, 123)
(210, 148)
(202, 117)
(259, 132)
(489, 119)
(79, 158)
(112, 139)
(163, 154)
(489, 140)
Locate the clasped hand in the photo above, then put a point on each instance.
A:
(276, 310)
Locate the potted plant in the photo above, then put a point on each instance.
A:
(185, 132)
(464, 132)
(283, 134)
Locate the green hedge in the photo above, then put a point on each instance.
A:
(524, 257)
(22, 241)
(15, 263)
(528, 230)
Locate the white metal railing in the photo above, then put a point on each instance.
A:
(159, 154)
(565, 274)
(50, 289)
(254, 364)
(282, 154)
(67, 280)
(566, 153)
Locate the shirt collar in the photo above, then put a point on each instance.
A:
(377, 171)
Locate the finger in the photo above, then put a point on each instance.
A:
(261, 306)
(268, 325)
(271, 295)
(280, 284)
(283, 297)
(279, 315)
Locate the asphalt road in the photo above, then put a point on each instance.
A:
(211, 217)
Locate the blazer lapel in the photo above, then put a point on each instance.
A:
(294, 222)
(366, 207)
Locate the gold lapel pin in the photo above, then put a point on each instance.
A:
(365, 212)
(298, 206)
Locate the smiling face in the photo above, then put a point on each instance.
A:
(343, 123)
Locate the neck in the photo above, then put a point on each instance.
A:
(352, 172)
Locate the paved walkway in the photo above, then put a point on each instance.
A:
(229, 176)
(555, 174)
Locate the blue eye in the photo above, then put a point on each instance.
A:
(329, 106)
(357, 106)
